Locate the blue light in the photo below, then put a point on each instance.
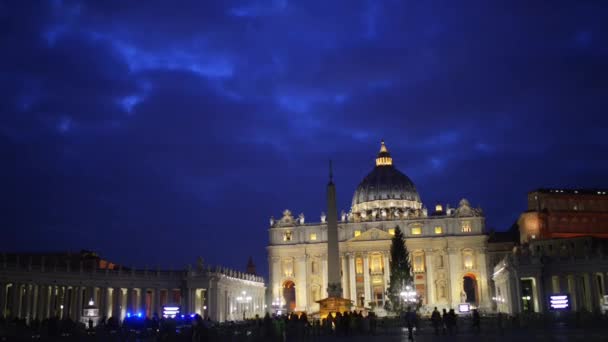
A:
(139, 315)
(182, 316)
(192, 316)
(128, 314)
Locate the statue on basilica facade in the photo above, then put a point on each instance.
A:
(301, 218)
(323, 217)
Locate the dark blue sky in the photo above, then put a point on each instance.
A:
(160, 132)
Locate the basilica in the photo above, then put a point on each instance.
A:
(447, 248)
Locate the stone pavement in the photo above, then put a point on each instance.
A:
(586, 335)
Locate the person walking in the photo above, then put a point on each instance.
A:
(409, 323)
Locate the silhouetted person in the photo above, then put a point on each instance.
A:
(409, 323)
(476, 321)
(445, 319)
(436, 320)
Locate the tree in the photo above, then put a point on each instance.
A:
(400, 272)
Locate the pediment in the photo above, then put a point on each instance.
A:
(373, 234)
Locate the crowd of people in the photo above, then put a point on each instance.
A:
(290, 327)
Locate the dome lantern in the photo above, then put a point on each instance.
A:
(384, 157)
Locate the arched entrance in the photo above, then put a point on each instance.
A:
(470, 288)
(289, 295)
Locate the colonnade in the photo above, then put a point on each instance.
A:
(40, 301)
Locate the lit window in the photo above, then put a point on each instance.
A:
(466, 227)
(416, 230)
(438, 208)
(287, 236)
(313, 236)
(376, 263)
(359, 266)
(418, 262)
(468, 260)
(357, 233)
(391, 231)
(438, 230)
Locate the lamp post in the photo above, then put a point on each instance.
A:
(277, 304)
(409, 296)
(243, 300)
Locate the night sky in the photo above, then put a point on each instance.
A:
(154, 134)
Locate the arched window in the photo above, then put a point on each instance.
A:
(376, 263)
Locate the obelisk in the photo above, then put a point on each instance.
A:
(334, 281)
(334, 302)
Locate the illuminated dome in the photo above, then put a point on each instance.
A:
(385, 192)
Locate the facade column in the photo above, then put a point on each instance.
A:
(387, 270)
(323, 273)
(301, 285)
(352, 277)
(102, 301)
(540, 293)
(455, 280)
(366, 281)
(344, 273)
(430, 282)
(275, 280)
(52, 301)
(482, 283)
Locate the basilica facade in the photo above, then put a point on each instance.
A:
(447, 248)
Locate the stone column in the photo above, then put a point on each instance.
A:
(103, 306)
(16, 300)
(212, 302)
(3, 299)
(73, 302)
(117, 302)
(366, 280)
(594, 292)
(430, 281)
(79, 303)
(28, 301)
(43, 291)
(344, 279)
(387, 270)
(352, 277)
(540, 293)
(156, 307)
(301, 285)
(572, 290)
(130, 306)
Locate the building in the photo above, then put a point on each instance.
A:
(577, 267)
(38, 286)
(447, 248)
(562, 252)
(561, 213)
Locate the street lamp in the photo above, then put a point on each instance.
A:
(243, 300)
(277, 304)
(409, 295)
